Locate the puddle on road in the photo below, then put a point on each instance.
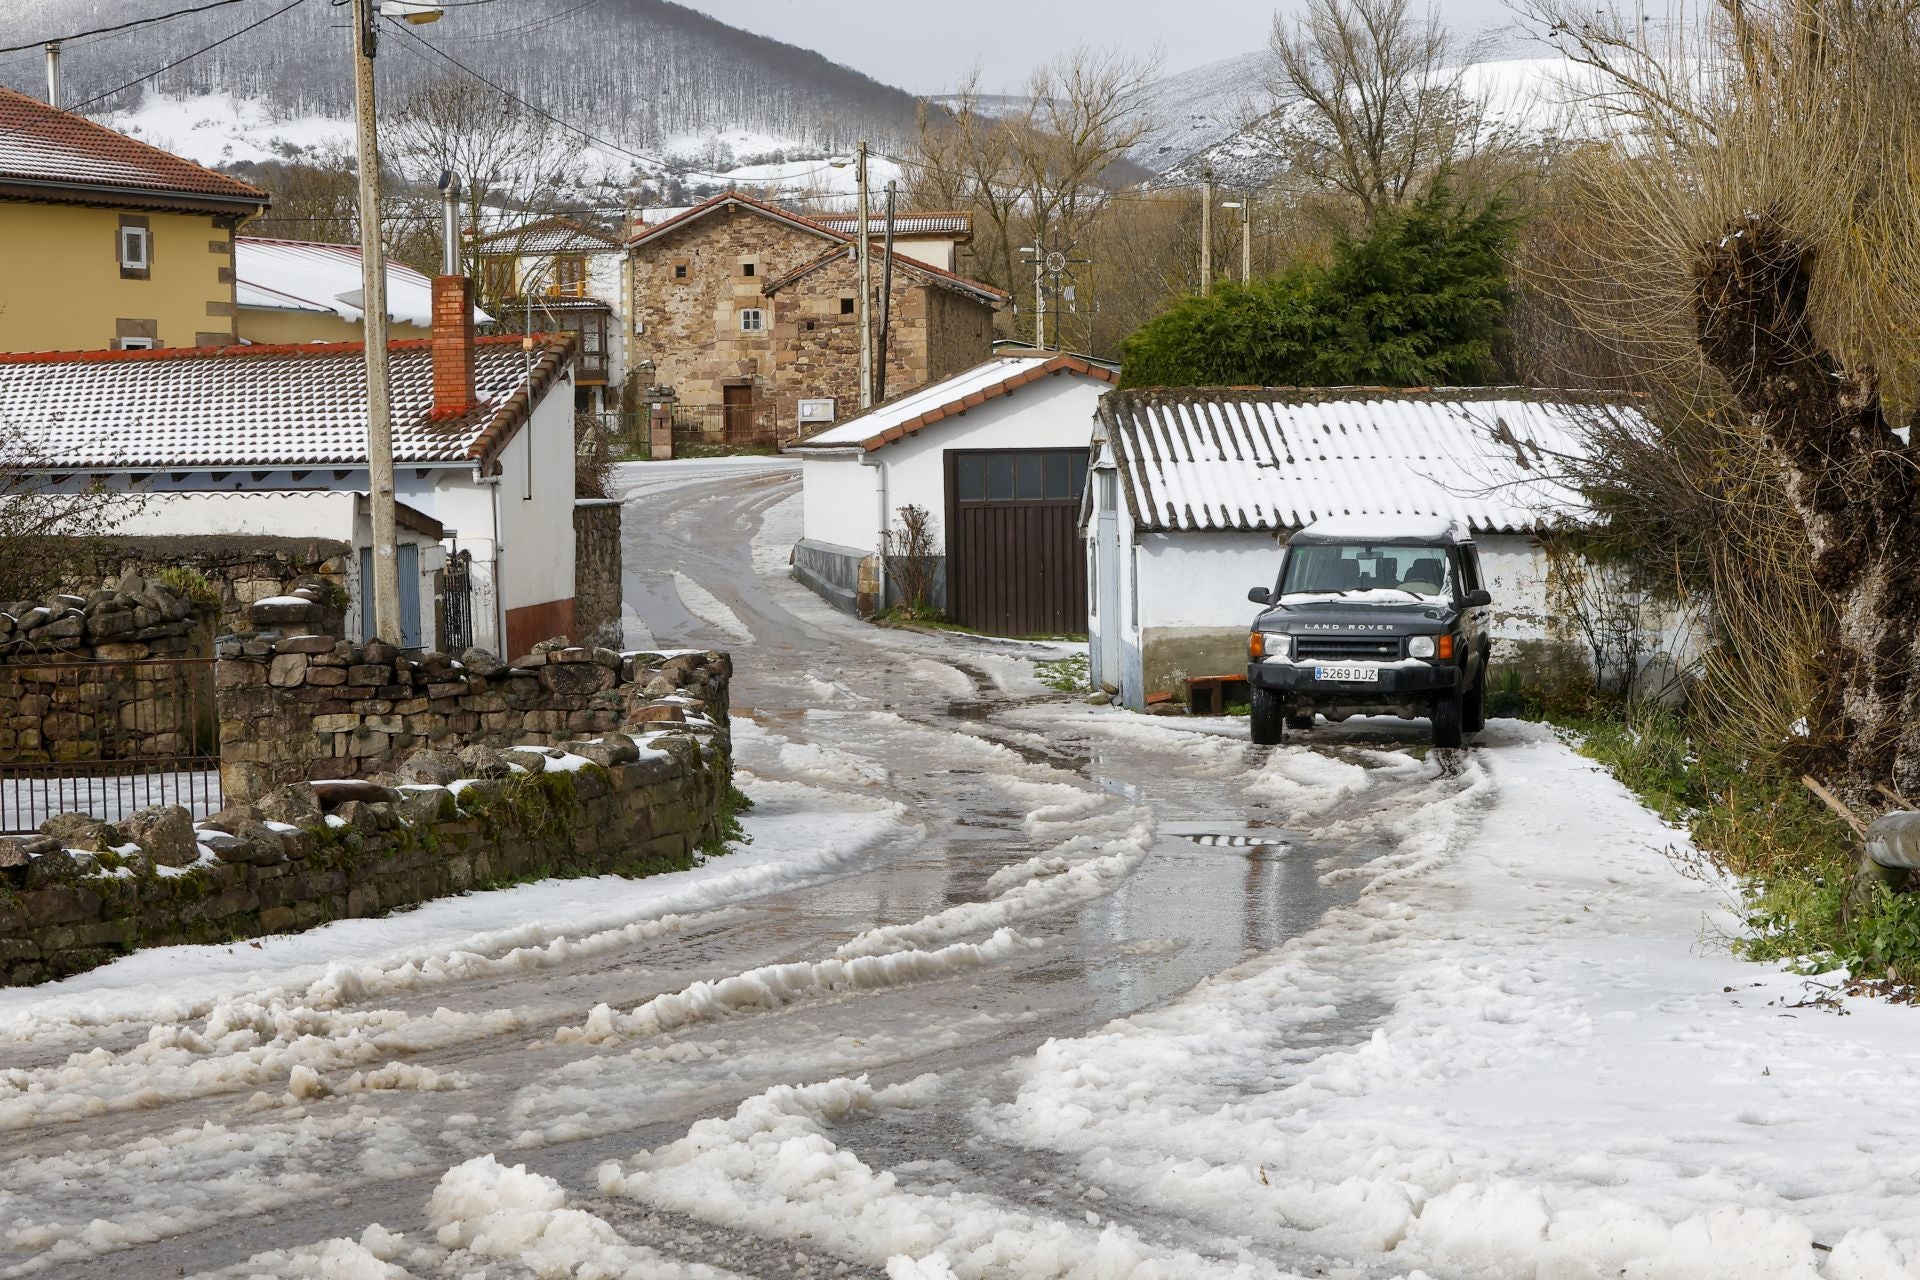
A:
(1217, 840)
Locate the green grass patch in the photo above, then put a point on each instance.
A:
(1794, 861)
(1065, 675)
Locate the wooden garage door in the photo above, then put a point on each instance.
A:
(1016, 565)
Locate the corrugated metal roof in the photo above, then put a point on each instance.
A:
(254, 407)
(40, 144)
(1214, 458)
(906, 414)
(549, 235)
(904, 224)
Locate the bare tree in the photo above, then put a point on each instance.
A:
(1770, 205)
(47, 530)
(1369, 100)
(1036, 166)
(500, 151)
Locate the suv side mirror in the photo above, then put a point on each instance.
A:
(1260, 595)
(1478, 599)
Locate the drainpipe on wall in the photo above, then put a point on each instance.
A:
(499, 588)
(880, 541)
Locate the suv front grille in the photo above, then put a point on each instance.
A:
(1346, 648)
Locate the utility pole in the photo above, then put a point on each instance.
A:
(864, 249)
(1039, 295)
(53, 73)
(373, 299)
(1246, 240)
(886, 296)
(1206, 231)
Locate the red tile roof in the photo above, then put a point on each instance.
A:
(56, 155)
(699, 211)
(198, 408)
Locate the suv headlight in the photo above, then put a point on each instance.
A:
(1420, 647)
(1269, 644)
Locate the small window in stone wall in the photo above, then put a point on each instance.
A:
(846, 306)
(749, 268)
(679, 271)
(752, 320)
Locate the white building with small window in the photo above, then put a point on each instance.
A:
(1195, 491)
(997, 457)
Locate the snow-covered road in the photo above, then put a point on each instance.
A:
(1004, 986)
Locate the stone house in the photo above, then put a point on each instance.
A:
(746, 310)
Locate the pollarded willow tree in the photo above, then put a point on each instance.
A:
(1770, 178)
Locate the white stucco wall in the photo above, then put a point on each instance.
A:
(536, 506)
(1201, 579)
(838, 502)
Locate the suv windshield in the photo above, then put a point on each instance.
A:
(1355, 568)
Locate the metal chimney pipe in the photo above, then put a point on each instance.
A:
(53, 73)
(449, 224)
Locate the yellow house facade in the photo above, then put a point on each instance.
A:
(108, 243)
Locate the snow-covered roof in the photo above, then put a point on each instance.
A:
(57, 155)
(1240, 458)
(1413, 528)
(959, 225)
(183, 408)
(904, 415)
(303, 275)
(549, 235)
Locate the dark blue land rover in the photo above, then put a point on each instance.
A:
(1372, 616)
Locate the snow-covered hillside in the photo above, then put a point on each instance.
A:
(1214, 118)
(642, 73)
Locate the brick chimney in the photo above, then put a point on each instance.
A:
(452, 346)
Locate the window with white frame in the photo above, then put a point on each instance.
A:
(138, 344)
(134, 248)
(752, 320)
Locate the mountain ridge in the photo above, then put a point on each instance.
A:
(638, 72)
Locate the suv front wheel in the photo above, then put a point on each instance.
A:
(1449, 710)
(1269, 718)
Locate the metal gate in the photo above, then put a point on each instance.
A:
(1016, 563)
(107, 738)
(456, 604)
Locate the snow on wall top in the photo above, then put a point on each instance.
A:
(301, 275)
(1220, 458)
(926, 405)
(256, 407)
(42, 145)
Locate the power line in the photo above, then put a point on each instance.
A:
(569, 126)
(101, 97)
(124, 26)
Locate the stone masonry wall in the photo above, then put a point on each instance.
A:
(84, 892)
(52, 709)
(307, 707)
(596, 573)
(240, 570)
(690, 327)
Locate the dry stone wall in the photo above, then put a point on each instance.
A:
(309, 707)
(84, 891)
(596, 571)
(240, 570)
(144, 704)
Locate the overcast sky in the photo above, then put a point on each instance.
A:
(925, 46)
